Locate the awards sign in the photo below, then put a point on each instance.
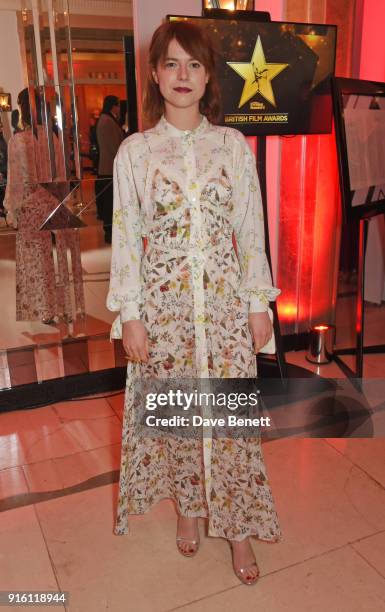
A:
(274, 76)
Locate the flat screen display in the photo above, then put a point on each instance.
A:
(274, 76)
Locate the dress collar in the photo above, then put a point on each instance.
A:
(171, 130)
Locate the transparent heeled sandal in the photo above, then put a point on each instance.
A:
(244, 574)
(192, 544)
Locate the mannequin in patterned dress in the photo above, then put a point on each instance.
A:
(39, 296)
(189, 306)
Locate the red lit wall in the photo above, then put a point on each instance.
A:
(309, 206)
(372, 60)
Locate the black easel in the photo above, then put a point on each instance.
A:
(341, 88)
(261, 170)
(359, 350)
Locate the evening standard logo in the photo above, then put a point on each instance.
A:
(257, 105)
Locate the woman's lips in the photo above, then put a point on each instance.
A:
(182, 89)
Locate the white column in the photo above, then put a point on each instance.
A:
(11, 70)
(36, 30)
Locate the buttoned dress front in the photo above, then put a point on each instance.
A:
(188, 192)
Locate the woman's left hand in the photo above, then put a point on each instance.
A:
(261, 329)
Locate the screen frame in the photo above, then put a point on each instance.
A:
(262, 17)
(238, 15)
(346, 86)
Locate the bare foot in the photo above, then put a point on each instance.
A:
(188, 530)
(243, 557)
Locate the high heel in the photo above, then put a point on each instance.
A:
(193, 544)
(242, 573)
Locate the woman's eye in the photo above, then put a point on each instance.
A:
(195, 64)
(170, 64)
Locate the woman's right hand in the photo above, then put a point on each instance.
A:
(135, 341)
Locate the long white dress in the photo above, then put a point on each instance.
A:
(188, 192)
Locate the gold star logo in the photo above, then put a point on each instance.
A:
(257, 75)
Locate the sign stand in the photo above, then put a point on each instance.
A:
(366, 96)
(359, 350)
(261, 170)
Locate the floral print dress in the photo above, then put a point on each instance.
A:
(187, 193)
(39, 294)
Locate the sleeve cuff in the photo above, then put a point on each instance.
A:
(129, 312)
(256, 305)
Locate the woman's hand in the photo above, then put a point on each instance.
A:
(261, 329)
(135, 341)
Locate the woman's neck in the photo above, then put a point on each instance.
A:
(183, 118)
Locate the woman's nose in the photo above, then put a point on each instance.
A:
(183, 73)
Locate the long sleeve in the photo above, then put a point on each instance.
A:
(247, 220)
(125, 289)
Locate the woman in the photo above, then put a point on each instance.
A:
(109, 135)
(188, 307)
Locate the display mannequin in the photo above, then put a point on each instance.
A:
(39, 295)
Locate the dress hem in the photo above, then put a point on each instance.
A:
(125, 530)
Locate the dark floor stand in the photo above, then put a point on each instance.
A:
(359, 350)
(261, 169)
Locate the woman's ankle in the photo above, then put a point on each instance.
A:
(240, 542)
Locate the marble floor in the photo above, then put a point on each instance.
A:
(58, 488)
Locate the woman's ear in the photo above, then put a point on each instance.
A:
(154, 76)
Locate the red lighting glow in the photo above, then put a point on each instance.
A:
(287, 311)
(321, 327)
(308, 230)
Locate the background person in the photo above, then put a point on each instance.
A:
(15, 121)
(109, 135)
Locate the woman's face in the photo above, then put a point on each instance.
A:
(182, 79)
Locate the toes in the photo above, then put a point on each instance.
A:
(185, 547)
(253, 573)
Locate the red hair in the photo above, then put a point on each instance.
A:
(198, 44)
